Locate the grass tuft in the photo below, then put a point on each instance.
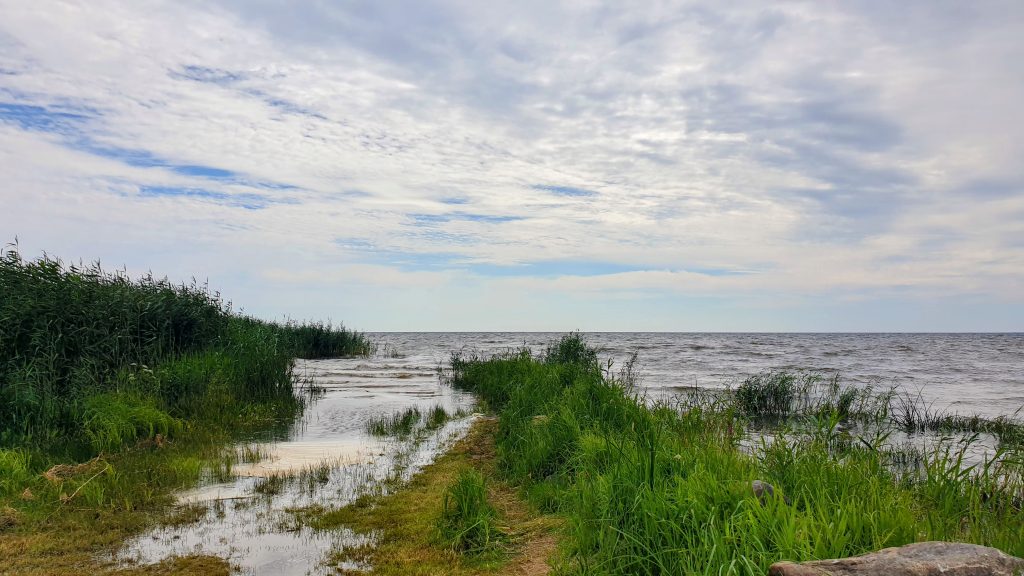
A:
(400, 424)
(467, 520)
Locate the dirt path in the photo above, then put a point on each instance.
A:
(404, 521)
(534, 558)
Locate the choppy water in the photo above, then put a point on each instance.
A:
(966, 373)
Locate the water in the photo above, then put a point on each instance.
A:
(967, 373)
(254, 529)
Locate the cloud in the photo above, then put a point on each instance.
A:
(685, 153)
(565, 190)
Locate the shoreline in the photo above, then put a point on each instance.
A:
(539, 508)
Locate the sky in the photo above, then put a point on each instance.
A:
(622, 166)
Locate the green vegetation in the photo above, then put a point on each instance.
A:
(403, 423)
(668, 490)
(399, 424)
(92, 360)
(403, 525)
(115, 392)
(467, 521)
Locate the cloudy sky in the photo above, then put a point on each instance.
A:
(422, 165)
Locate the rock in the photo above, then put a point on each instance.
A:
(920, 559)
(765, 490)
(762, 489)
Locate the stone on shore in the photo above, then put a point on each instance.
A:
(920, 559)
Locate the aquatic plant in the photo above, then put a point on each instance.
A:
(767, 394)
(270, 485)
(401, 423)
(781, 394)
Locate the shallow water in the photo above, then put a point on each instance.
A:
(248, 520)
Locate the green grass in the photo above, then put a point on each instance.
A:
(784, 395)
(403, 423)
(400, 424)
(467, 523)
(659, 489)
(115, 392)
(74, 338)
(436, 418)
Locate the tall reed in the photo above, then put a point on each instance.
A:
(90, 356)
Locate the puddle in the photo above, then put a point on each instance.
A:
(328, 459)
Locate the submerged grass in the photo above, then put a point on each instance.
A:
(652, 489)
(399, 424)
(780, 398)
(403, 423)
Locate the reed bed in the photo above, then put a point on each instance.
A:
(400, 424)
(657, 488)
(99, 359)
(115, 391)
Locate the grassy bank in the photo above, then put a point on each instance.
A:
(116, 391)
(667, 489)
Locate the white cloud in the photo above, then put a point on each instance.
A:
(830, 151)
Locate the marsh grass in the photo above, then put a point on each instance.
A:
(400, 423)
(270, 485)
(912, 413)
(436, 418)
(783, 395)
(660, 488)
(186, 515)
(409, 421)
(779, 398)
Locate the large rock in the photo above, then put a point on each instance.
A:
(921, 559)
(764, 491)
